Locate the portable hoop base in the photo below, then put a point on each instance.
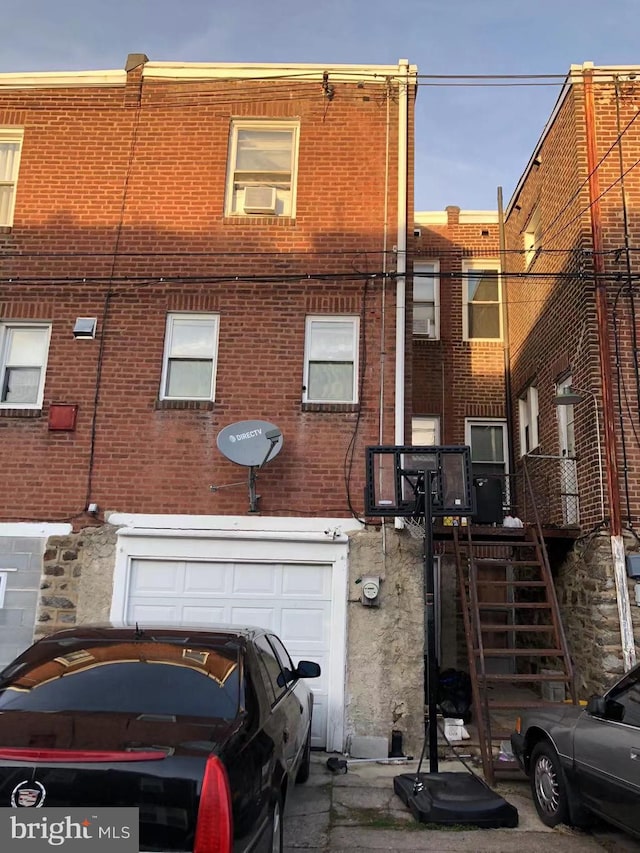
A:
(454, 799)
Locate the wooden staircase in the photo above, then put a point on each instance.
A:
(515, 638)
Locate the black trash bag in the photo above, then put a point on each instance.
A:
(454, 694)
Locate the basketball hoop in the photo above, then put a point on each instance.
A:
(415, 528)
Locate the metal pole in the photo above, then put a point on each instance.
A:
(430, 613)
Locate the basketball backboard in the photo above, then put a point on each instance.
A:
(397, 476)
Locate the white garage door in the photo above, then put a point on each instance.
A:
(291, 599)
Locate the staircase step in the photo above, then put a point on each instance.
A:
(512, 705)
(518, 583)
(514, 605)
(521, 677)
(504, 766)
(533, 652)
(498, 561)
(525, 629)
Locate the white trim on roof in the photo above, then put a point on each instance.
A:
(466, 217)
(295, 71)
(62, 79)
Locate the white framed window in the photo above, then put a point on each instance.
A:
(532, 234)
(10, 149)
(482, 300)
(262, 169)
(331, 359)
(528, 419)
(425, 431)
(190, 356)
(4, 575)
(488, 440)
(24, 349)
(426, 299)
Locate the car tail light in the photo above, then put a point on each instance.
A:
(214, 829)
(518, 725)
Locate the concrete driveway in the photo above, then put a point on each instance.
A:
(359, 811)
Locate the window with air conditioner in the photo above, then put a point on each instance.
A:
(425, 431)
(262, 169)
(10, 149)
(190, 355)
(331, 359)
(426, 300)
(482, 301)
(24, 349)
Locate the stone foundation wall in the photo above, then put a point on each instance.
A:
(586, 590)
(385, 644)
(77, 579)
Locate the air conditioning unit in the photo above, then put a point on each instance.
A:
(259, 200)
(425, 327)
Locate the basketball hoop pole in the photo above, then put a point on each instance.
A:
(430, 614)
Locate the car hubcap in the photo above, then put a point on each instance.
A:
(546, 782)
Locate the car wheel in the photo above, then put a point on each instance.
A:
(276, 826)
(305, 767)
(548, 785)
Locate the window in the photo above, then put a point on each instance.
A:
(425, 431)
(190, 352)
(482, 318)
(426, 300)
(262, 169)
(528, 415)
(10, 147)
(23, 360)
(532, 234)
(331, 360)
(488, 443)
(272, 669)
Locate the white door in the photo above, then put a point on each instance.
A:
(291, 599)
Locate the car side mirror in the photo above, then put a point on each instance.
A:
(307, 669)
(597, 706)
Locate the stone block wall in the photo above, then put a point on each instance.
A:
(586, 589)
(77, 578)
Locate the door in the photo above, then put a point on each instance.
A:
(607, 755)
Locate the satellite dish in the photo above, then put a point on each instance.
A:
(250, 443)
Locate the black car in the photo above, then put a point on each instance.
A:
(203, 730)
(585, 760)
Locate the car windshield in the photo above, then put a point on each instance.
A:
(135, 678)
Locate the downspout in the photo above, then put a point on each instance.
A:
(401, 248)
(401, 257)
(506, 349)
(604, 348)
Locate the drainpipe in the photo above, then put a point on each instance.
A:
(604, 348)
(508, 397)
(401, 247)
(401, 256)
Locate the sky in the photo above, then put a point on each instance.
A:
(469, 139)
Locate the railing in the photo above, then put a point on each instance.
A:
(543, 490)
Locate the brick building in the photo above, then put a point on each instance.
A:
(184, 248)
(570, 274)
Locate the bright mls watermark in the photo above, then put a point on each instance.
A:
(73, 830)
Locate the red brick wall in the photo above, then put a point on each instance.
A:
(452, 378)
(100, 175)
(552, 317)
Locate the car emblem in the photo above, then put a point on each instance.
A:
(28, 794)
